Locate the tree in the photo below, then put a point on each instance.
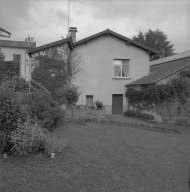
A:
(54, 71)
(157, 40)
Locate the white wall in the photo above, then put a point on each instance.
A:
(9, 52)
(96, 77)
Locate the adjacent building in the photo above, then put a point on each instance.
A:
(17, 51)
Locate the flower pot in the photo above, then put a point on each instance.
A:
(53, 155)
(5, 156)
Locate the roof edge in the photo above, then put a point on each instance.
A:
(156, 80)
(67, 40)
(108, 31)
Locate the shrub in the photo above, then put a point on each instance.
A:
(41, 105)
(31, 137)
(99, 104)
(138, 114)
(28, 137)
(10, 113)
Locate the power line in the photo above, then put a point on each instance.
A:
(31, 27)
(31, 23)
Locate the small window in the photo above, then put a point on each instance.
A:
(89, 99)
(16, 57)
(122, 68)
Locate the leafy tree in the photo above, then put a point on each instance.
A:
(157, 40)
(71, 95)
(49, 71)
(53, 71)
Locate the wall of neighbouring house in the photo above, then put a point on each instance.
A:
(9, 52)
(96, 77)
(63, 49)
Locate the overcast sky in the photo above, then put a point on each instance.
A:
(47, 20)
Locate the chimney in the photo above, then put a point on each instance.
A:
(72, 33)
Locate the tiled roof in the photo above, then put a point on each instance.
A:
(67, 40)
(162, 70)
(17, 44)
(112, 33)
(171, 58)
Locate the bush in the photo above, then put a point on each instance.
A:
(30, 137)
(44, 108)
(10, 113)
(138, 114)
(99, 104)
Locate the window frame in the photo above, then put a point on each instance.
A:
(16, 55)
(121, 77)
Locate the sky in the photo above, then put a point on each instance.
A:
(47, 20)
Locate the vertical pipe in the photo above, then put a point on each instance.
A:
(25, 65)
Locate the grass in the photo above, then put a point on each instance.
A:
(102, 157)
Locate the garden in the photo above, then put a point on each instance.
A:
(46, 148)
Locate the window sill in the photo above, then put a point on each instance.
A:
(121, 78)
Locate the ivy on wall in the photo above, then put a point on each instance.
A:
(50, 72)
(154, 96)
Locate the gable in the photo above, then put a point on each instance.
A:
(119, 37)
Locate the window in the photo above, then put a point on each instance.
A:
(89, 99)
(121, 68)
(16, 57)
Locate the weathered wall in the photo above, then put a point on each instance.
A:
(96, 77)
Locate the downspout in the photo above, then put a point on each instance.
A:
(25, 64)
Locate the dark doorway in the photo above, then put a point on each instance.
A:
(117, 104)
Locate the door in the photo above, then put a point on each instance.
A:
(117, 104)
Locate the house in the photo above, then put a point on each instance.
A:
(163, 71)
(109, 61)
(17, 51)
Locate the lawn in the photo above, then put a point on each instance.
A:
(100, 158)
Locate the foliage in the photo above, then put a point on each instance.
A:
(2, 57)
(27, 138)
(9, 69)
(154, 95)
(157, 40)
(99, 104)
(10, 113)
(71, 95)
(43, 107)
(30, 137)
(185, 74)
(138, 114)
(50, 71)
(54, 70)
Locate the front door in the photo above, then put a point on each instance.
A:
(117, 104)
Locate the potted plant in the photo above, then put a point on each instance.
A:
(98, 104)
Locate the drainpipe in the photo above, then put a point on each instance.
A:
(25, 64)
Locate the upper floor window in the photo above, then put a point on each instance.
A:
(16, 57)
(122, 68)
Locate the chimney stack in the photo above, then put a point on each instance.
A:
(72, 33)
